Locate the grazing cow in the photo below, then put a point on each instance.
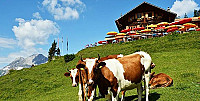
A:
(160, 80)
(115, 75)
(89, 63)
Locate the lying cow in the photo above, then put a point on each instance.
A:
(115, 75)
(160, 80)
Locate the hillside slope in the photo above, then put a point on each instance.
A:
(177, 55)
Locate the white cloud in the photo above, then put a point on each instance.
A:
(28, 35)
(184, 6)
(64, 9)
(37, 15)
(7, 43)
(31, 33)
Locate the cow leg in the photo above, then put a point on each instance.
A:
(139, 91)
(114, 95)
(80, 93)
(99, 94)
(123, 95)
(95, 91)
(147, 78)
(84, 91)
(108, 96)
(91, 92)
(92, 95)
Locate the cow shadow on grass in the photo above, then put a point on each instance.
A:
(152, 97)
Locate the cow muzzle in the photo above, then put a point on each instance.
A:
(90, 82)
(74, 85)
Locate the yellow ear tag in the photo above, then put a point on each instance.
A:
(100, 67)
(81, 68)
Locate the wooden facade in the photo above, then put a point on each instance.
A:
(143, 15)
(196, 21)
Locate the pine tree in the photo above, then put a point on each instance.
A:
(185, 16)
(195, 13)
(58, 52)
(198, 13)
(52, 51)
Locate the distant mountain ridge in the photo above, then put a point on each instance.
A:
(20, 63)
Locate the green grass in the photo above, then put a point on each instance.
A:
(177, 55)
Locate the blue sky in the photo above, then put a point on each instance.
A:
(30, 26)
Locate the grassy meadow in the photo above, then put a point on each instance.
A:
(177, 55)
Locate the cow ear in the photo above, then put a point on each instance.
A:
(67, 74)
(80, 66)
(152, 75)
(101, 64)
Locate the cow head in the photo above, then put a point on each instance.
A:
(73, 74)
(152, 65)
(85, 66)
(96, 71)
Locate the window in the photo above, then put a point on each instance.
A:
(149, 14)
(131, 19)
(139, 15)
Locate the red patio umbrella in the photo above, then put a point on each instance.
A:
(125, 30)
(102, 42)
(139, 28)
(182, 21)
(189, 25)
(160, 28)
(133, 33)
(185, 20)
(198, 29)
(174, 23)
(172, 29)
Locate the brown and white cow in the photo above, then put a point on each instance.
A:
(160, 80)
(89, 63)
(76, 78)
(115, 75)
(73, 74)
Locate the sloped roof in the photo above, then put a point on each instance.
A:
(148, 4)
(122, 21)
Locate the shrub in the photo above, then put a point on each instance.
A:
(69, 57)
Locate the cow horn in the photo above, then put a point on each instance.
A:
(68, 70)
(81, 58)
(98, 57)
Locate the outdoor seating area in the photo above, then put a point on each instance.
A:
(153, 30)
